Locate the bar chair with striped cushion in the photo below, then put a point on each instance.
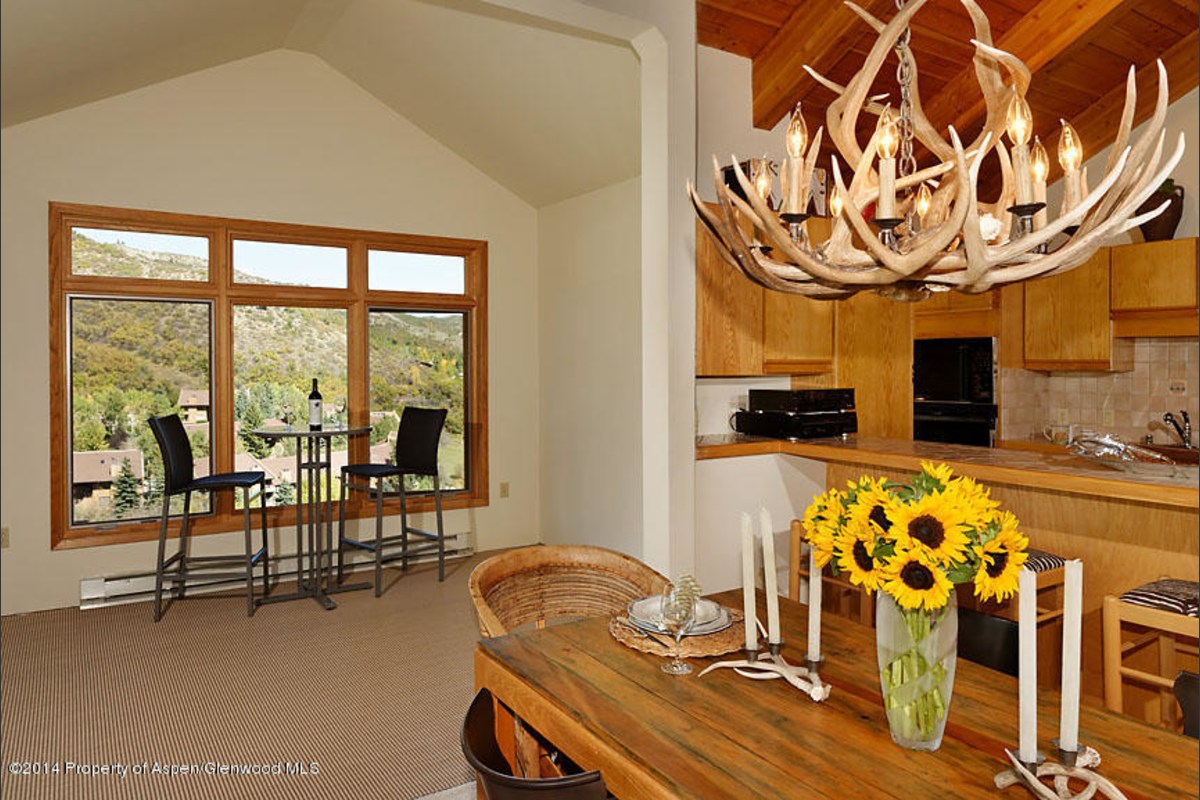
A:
(1165, 612)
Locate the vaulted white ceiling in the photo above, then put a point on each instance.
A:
(546, 111)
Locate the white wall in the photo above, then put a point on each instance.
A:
(590, 399)
(279, 136)
(1183, 116)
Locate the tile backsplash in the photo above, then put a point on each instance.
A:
(1165, 377)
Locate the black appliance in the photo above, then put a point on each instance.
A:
(954, 391)
(800, 414)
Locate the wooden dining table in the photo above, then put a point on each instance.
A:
(654, 735)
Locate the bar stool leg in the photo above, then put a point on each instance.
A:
(181, 581)
(266, 548)
(403, 525)
(1112, 655)
(379, 536)
(341, 573)
(162, 555)
(437, 500)
(1166, 668)
(249, 552)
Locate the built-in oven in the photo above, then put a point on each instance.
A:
(954, 391)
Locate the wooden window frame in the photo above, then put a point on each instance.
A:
(224, 294)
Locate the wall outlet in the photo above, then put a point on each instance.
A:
(1177, 387)
(4, 537)
(1107, 418)
(1060, 417)
(504, 488)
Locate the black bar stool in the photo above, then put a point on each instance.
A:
(416, 454)
(179, 478)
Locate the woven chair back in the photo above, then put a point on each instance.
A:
(532, 585)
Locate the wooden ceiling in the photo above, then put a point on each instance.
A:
(1078, 51)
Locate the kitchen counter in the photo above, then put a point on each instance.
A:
(1056, 471)
(1128, 528)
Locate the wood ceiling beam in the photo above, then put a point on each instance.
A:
(1047, 31)
(816, 33)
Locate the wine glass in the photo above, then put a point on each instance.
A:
(678, 616)
(339, 408)
(289, 416)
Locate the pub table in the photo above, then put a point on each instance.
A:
(314, 518)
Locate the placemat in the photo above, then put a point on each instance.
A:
(712, 644)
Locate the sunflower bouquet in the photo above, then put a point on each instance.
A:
(912, 542)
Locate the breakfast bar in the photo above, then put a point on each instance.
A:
(1129, 528)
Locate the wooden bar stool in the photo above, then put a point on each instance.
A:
(1165, 611)
(838, 594)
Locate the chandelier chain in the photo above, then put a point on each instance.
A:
(907, 162)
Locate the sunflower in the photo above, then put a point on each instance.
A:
(871, 504)
(855, 548)
(978, 506)
(915, 580)
(822, 521)
(1000, 560)
(939, 472)
(933, 524)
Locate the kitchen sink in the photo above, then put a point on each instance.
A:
(1180, 455)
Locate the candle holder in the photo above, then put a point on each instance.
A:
(795, 223)
(1023, 226)
(1075, 765)
(887, 230)
(759, 666)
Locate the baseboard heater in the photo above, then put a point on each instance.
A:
(113, 590)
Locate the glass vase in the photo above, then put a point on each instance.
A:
(917, 655)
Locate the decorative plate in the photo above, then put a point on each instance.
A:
(646, 614)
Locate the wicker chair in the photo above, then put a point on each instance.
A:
(530, 585)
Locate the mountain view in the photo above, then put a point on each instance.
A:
(131, 359)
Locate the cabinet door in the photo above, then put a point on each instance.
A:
(729, 315)
(955, 315)
(1154, 289)
(1067, 324)
(1154, 276)
(797, 334)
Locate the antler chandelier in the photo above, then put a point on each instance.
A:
(930, 232)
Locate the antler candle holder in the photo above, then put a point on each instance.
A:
(760, 666)
(1075, 765)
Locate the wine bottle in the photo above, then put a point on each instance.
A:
(315, 410)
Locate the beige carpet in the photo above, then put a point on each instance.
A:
(364, 701)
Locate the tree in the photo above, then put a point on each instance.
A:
(285, 494)
(255, 445)
(126, 496)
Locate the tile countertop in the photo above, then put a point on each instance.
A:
(1054, 471)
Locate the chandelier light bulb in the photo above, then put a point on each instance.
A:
(797, 135)
(1019, 120)
(761, 169)
(835, 202)
(1070, 150)
(889, 134)
(1039, 161)
(924, 200)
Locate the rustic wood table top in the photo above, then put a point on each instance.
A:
(653, 735)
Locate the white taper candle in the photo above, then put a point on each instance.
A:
(1027, 676)
(814, 607)
(771, 579)
(748, 581)
(1068, 723)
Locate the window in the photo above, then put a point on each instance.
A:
(226, 322)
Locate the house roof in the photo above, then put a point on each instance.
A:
(546, 111)
(101, 466)
(193, 398)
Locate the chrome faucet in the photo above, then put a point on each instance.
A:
(1184, 432)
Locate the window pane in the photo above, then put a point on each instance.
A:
(291, 264)
(130, 360)
(395, 271)
(277, 351)
(417, 358)
(132, 254)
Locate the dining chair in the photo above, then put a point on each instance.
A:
(179, 478)
(1187, 692)
(416, 454)
(531, 586)
(482, 751)
(989, 640)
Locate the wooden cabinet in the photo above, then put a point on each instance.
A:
(1067, 321)
(1154, 289)
(743, 329)
(953, 314)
